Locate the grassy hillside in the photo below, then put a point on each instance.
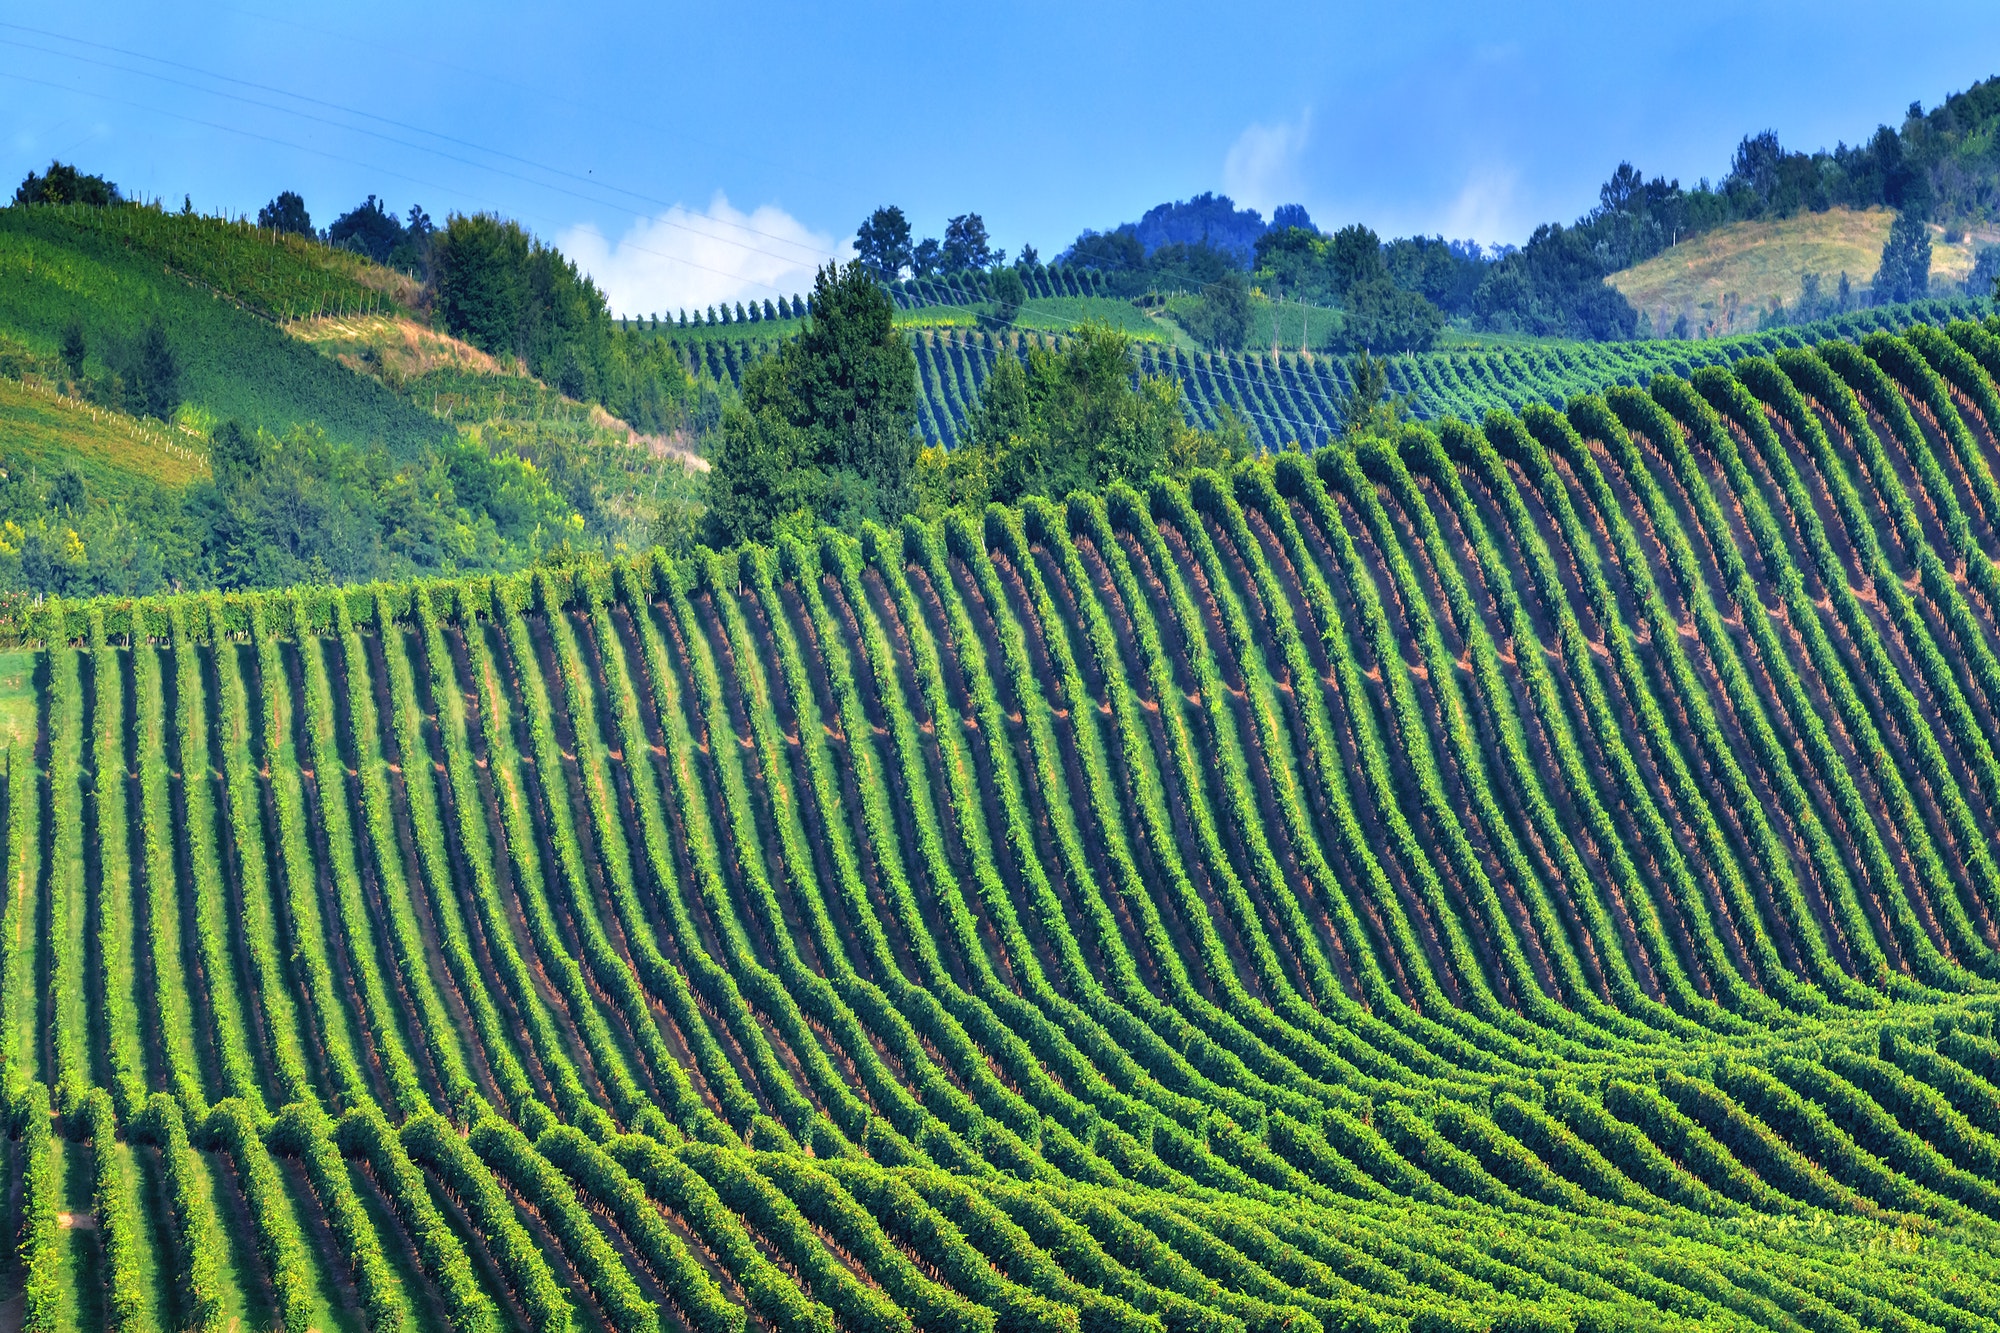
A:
(394, 436)
(114, 452)
(217, 293)
(1724, 280)
(1528, 878)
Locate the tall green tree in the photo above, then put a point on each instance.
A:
(826, 427)
(1077, 418)
(966, 246)
(1222, 321)
(1905, 274)
(1009, 293)
(64, 184)
(883, 243)
(72, 348)
(287, 212)
(153, 377)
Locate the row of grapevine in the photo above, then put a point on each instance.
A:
(1538, 873)
(1281, 396)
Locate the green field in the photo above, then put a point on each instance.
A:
(1529, 876)
(110, 449)
(1284, 396)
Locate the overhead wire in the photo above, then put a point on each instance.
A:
(349, 161)
(1219, 370)
(815, 254)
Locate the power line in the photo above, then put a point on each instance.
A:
(816, 255)
(1212, 368)
(336, 157)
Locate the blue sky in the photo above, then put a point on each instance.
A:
(691, 153)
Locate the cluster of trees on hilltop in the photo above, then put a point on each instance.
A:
(369, 228)
(1937, 166)
(1208, 222)
(885, 251)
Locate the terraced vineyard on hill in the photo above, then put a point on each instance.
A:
(1532, 877)
(1282, 397)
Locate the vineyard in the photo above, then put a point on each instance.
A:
(1282, 397)
(219, 290)
(1539, 876)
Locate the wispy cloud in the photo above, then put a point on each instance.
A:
(692, 259)
(1261, 168)
(1488, 206)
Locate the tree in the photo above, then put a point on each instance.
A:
(826, 426)
(741, 317)
(153, 377)
(1079, 418)
(236, 454)
(479, 283)
(1554, 286)
(1369, 409)
(1222, 321)
(1008, 293)
(1353, 257)
(367, 229)
(1030, 258)
(1984, 279)
(1293, 263)
(965, 244)
(1378, 316)
(286, 213)
(927, 260)
(1905, 274)
(1118, 251)
(882, 243)
(64, 184)
(72, 347)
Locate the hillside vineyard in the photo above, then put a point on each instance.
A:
(1540, 876)
(1279, 397)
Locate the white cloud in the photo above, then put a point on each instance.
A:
(689, 259)
(1487, 207)
(1261, 168)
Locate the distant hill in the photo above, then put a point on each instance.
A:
(1724, 281)
(1208, 219)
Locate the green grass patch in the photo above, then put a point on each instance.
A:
(82, 1258)
(246, 1292)
(19, 706)
(335, 1308)
(141, 1166)
(116, 455)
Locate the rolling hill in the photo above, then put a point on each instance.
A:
(1722, 281)
(221, 292)
(313, 347)
(1534, 876)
